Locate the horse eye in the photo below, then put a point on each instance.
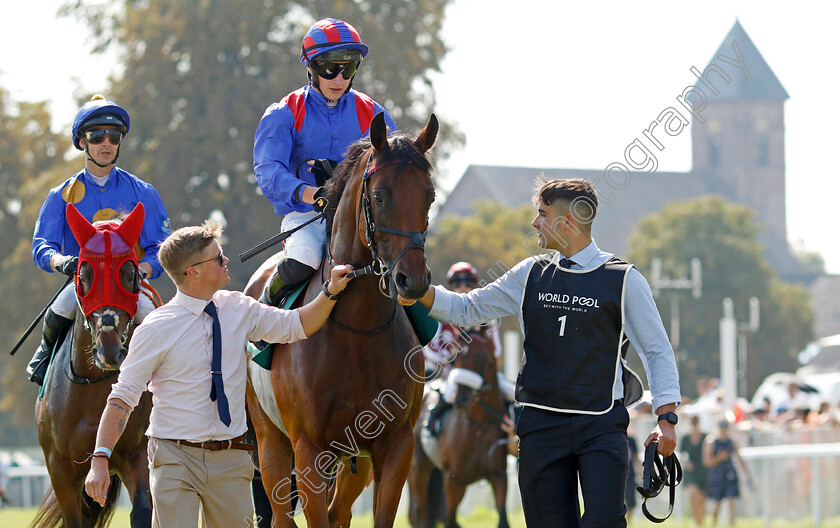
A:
(378, 198)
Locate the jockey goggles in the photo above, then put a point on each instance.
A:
(95, 136)
(329, 70)
(463, 280)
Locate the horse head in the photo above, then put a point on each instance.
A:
(392, 179)
(108, 281)
(474, 366)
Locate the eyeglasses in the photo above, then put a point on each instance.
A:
(96, 136)
(220, 258)
(465, 281)
(330, 70)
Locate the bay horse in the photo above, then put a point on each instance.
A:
(79, 381)
(345, 392)
(471, 445)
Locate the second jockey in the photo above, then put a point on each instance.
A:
(100, 191)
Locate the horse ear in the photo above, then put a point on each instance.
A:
(379, 132)
(79, 225)
(426, 138)
(129, 229)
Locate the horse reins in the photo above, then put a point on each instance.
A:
(659, 472)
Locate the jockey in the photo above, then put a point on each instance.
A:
(462, 277)
(99, 191)
(316, 122)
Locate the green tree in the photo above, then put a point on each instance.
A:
(198, 75)
(31, 162)
(724, 237)
(494, 238)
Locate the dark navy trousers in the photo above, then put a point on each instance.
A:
(557, 449)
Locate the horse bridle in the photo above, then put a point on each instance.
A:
(417, 239)
(110, 318)
(378, 266)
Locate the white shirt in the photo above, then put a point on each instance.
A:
(172, 352)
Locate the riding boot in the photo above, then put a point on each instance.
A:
(288, 274)
(434, 421)
(54, 325)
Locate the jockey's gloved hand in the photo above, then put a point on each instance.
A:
(322, 169)
(321, 202)
(68, 265)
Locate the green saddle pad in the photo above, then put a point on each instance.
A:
(263, 357)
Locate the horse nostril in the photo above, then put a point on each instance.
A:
(403, 281)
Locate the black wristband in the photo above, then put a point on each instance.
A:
(330, 296)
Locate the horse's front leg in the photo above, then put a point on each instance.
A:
(454, 491)
(499, 483)
(67, 487)
(391, 463)
(348, 487)
(275, 453)
(420, 513)
(312, 485)
(134, 473)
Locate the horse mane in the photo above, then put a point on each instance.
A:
(400, 147)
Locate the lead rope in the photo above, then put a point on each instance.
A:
(658, 473)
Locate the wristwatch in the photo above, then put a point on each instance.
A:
(668, 416)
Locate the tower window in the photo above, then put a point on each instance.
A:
(714, 151)
(762, 154)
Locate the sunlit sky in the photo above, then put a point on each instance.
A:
(560, 84)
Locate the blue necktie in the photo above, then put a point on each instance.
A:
(217, 391)
(566, 263)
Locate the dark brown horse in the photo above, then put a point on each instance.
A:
(79, 381)
(471, 442)
(345, 392)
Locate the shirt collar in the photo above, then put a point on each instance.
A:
(192, 304)
(90, 176)
(585, 255)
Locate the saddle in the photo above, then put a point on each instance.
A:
(659, 472)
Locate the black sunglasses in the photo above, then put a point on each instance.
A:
(330, 70)
(97, 135)
(220, 258)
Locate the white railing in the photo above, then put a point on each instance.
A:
(26, 485)
(780, 474)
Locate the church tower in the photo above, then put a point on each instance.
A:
(739, 148)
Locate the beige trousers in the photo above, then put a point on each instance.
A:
(184, 479)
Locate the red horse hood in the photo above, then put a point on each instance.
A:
(106, 246)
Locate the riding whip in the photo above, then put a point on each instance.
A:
(262, 246)
(38, 319)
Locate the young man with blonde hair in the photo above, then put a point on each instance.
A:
(191, 353)
(579, 308)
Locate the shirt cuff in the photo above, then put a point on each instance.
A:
(442, 304)
(297, 194)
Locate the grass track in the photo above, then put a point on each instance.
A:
(481, 518)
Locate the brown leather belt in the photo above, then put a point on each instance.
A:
(218, 445)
